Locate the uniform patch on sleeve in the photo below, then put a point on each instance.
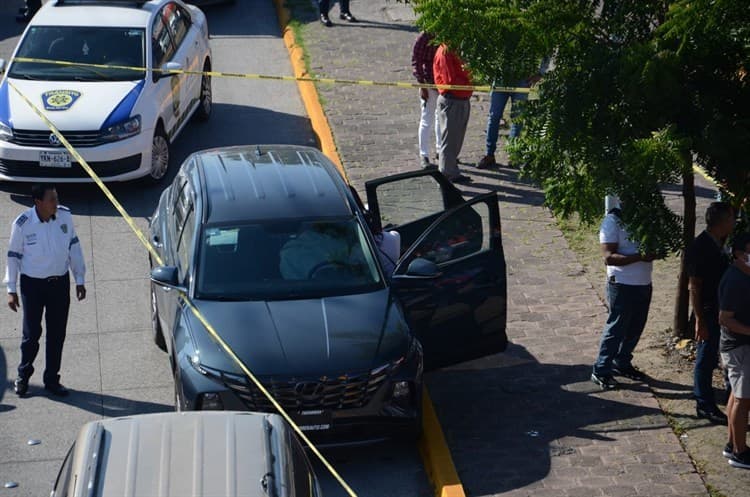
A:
(21, 219)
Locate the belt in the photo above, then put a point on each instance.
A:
(450, 96)
(48, 279)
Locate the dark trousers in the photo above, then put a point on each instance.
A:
(325, 6)
(50, 297)
(706, 360)
(628, 312)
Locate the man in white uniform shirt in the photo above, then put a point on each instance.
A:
(43, 247)
(629, 296)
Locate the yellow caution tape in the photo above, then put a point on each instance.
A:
(532, 92)
(211, 330)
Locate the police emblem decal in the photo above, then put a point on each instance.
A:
(59, 99)
(64, 228)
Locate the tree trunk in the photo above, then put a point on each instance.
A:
(681, 328)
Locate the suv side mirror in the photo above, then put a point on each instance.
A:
(421, 269)
(166, 68)
(166, 276)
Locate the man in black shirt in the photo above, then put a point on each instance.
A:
(706, 261)
(734, 316)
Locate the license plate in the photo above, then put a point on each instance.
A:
(313, 420)
(54, 159)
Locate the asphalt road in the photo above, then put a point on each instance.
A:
(110, 364)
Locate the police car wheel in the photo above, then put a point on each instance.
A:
(155, 326)
(159, 155)
(206, 98)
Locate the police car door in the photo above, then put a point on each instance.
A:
(185, 39)
(167, 86)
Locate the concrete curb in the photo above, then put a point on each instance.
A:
(433, 448)
(307, 90)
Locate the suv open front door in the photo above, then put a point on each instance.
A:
(451, 278)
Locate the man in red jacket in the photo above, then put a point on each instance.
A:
(453, 110)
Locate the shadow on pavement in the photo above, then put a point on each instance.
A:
(109, 405)
(522, 414)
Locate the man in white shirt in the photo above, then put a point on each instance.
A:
(43, 247)
(629, 296)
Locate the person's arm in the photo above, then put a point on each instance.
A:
(695, 285)
(13, 266)
(727, 319)
(77, 264)
(613, 258)
(417, 58)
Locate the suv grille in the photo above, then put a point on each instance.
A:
(33, 138)
(342, 392)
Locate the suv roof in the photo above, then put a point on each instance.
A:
(262, 182)
(115, 13)
(178, 454)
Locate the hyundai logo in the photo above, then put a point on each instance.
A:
(308, 389)
(54, 140)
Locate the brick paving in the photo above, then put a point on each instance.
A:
(526, 422)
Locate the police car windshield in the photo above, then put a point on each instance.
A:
(80, 47)
(286, 260)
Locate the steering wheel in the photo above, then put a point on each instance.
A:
(322, 266)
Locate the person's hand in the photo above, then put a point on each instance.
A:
(13, 302)
(701, 330)
(649, 257)
(80, 292)
(424, 94)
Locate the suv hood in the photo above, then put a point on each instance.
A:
(332, 335)
(89, 103)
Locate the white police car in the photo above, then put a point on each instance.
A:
(122, 121)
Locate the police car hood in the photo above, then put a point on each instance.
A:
(73, 106)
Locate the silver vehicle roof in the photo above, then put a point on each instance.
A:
(183, 454)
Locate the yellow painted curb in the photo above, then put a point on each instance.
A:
(307, 90)
(435, 453)
(432, 446)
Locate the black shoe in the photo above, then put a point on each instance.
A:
(460, 179)
(714, 415)
(604, 381)
(346, 16)
(629, 372)
(728, 449)
(741, 460)
(57, 389)
(325, 21)
(426, 164)
(21, 386)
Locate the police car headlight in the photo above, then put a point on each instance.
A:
(123, 130)
(6, 132)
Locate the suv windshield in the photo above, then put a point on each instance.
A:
(82, 45)
(285, 260)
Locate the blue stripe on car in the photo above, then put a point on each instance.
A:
(4, 104)
(122, 111)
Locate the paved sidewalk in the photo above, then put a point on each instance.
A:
(527, 422)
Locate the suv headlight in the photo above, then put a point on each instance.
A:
(123, 130)
(6, 132)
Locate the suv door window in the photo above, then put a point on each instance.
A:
(409, 202)
(185, 243)
(459, 311)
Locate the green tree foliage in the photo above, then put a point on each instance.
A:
(640, 90)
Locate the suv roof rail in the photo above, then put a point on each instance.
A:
(137, 3)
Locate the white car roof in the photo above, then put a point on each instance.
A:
(92, 14)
